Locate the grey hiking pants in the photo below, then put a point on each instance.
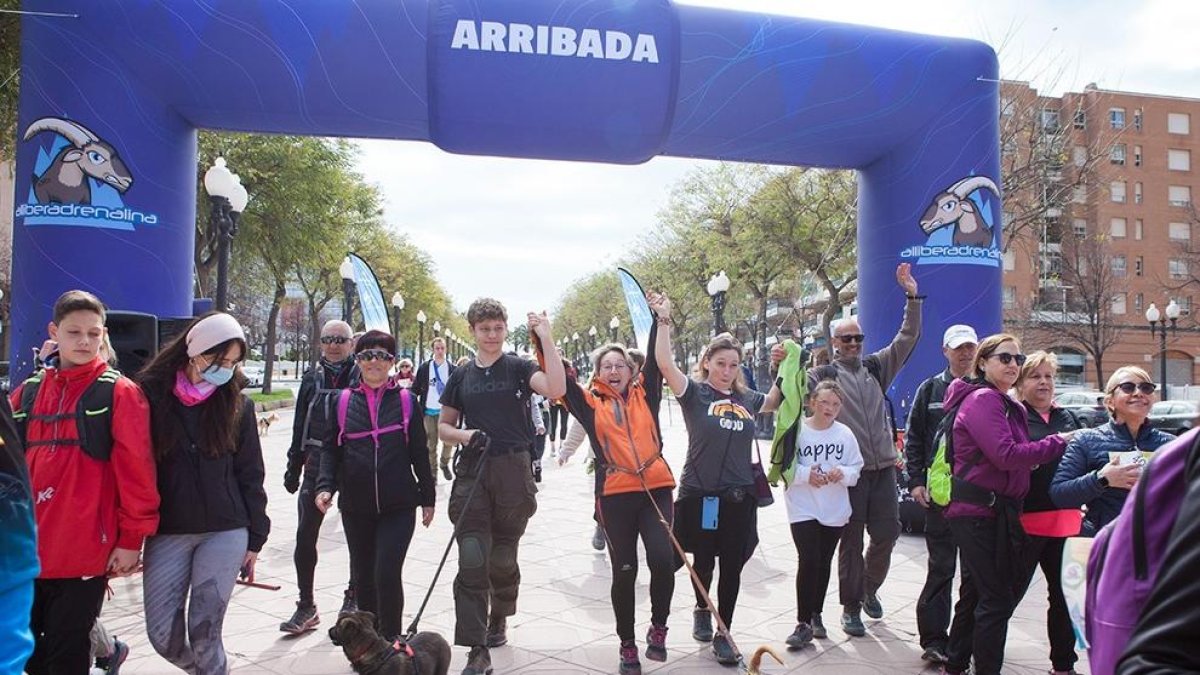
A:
(192, 573)
(875, 507)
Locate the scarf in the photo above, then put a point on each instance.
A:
(191, 394)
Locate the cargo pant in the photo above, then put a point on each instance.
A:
(489, 532)
(875, 508)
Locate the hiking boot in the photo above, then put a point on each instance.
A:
(934, 654)
(303, 620)
(598, 539)
(349, 603)
(656, 642)
(537, 471)
(852, 625)
(723, 651)
(111, 664)
(818, 627)
(479, 662)
(702, 625)
(497, 631)
(800, 637)
(872, 606)
(446, 472)
(629, 659)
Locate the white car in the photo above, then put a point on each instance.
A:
(254, 374)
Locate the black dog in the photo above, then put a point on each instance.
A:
(425, 654)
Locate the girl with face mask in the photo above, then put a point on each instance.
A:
(213, 517)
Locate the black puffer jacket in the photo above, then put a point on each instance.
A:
(379, 472)
(201, 494)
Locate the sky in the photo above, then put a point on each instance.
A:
(524, 230)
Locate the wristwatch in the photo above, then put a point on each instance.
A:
(1103, 480)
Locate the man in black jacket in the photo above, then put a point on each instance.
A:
(435, 371)
(316, 410)
(933, 607)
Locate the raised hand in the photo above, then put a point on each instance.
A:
(905, 278)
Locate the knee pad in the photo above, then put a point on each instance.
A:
(470, 552)
(504, 556)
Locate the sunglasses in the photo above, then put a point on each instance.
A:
(847, 339)
(1007, 358)
(1146, 388)
(374, 355)
(334, 340)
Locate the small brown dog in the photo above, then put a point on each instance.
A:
(426, 654)
(265, 422)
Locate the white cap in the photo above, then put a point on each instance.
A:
(959, 335)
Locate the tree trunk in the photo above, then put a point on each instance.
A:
(314, 338)
(269, 351)
(1098, 360)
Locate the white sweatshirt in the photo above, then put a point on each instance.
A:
(823, 450)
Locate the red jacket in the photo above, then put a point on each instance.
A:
(85, 508)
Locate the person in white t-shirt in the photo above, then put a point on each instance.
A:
(828, 462)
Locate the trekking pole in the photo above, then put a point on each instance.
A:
(479, 467)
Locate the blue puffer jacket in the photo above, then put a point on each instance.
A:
(1075, 483)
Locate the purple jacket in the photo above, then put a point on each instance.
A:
(991, 431)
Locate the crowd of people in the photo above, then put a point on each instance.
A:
(163, 474)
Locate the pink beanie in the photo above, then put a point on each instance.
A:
(212, 331)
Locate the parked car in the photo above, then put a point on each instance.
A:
(1174, 417)
(1087, 404)
(254, 374)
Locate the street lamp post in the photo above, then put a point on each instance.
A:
(592, 332)
(1159, 322)
(718, 286)
(346, 269)
(613, 325)
(398, 303)
(437, 328)
(421, 318)
(227, 199)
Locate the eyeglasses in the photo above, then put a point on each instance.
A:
(334, 340)
(374, 355)
(1007, 358)
(847, 339)
(613, 367)
(1146, 388)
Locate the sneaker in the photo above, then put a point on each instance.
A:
(946, 670)
(656, 642)
(349, 603)
(629, 659)
(446, 472)
(598, 539)
(800, 637)
(497, 631)
(853, 625)
(724, 651)
(479, 662)
(303, 620)
(537, 472)
(818, 627)
(702, 625)
(934, 654)
(872, 607)
(111, 664)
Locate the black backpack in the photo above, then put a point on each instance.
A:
(93, 415)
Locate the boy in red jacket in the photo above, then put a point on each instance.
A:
(95, 496)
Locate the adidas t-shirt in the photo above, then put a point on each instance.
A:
(495, 400)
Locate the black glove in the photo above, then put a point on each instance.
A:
(291, 480)
(479, 442)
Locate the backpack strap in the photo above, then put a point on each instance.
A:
(406, 407)
(825, 372)
(343, 405)
(1141, 561)
(29, 392)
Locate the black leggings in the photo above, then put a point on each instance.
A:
(737, 525)
(624, 517)
(557, 411)
(815, 546)
(378, 545)
(539, 440)
(1047, 552)
(308, 530)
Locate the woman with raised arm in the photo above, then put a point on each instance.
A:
(716, 510)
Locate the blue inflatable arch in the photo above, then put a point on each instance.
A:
(111, 98)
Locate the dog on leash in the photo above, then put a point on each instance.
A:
(265, 422)
(426, 653)
(755, 667)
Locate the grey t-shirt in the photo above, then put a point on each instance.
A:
(720, 439)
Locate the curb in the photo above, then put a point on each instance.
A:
(274, 405)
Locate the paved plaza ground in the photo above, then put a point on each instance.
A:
(564, 622)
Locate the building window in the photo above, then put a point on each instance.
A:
(1007, 106)
(1137, 192)
(1118, 303)
(1116, 154)
(1179, 160)
(1180, 231)
(1079, 225)
(1118, 228)
(1138, 301)
(1179, 195)
(1116, 118)
(1177, 268)
(1137, 155)
(1118, 266)
(1049, 120)
(1079, 194)
(1179, 123)
(1079, 155)
(1117, 190)
(1137, 229)
(1137, 119)
(1010, 297)
(1137, 266)
(1010, 261)
(1080, 119)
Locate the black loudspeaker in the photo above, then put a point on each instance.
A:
(169, 327)
(134, 337)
